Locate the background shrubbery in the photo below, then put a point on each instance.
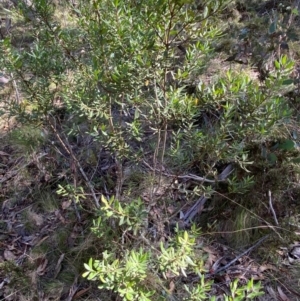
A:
(124, 113)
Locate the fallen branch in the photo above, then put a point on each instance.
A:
(199, 205)
(239, 256)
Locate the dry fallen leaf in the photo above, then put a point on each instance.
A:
(66, 204)
(43, 262)
(9, 255)
(58, 265)
(73, 290)
(3, 154)
(4, 80)
(41, 241)
(81, 292)
(271, 292)
(210, 259)
(170, 275)
(37, 218)
(61, 218)
(171, 287)
(171, 209)
(283, 296)
(2, 284)
(265, 267)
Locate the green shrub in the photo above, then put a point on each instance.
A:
(129, 77)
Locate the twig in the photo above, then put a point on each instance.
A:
(156, 148)
(18, 100)
(271, 207)
(192, 176)
(239, 256)
(196, 178)
(70, 152)
(198, 206)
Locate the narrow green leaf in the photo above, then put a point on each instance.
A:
(283, 59)
(91, 263)
(296, 160)
(136, 114)
(287, 82)
(190, 261)
(287, 145)
(109, 213)
(272, 158)
(186, 236)
(87, 267)
(121, 222)
(104, 201)
(205, 12)
(273, 27)
(129, 296)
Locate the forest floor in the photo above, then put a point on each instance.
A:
(45, 238)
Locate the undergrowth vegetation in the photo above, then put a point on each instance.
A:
(139, 142)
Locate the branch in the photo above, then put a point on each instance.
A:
(239, 256)
(68, 148)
